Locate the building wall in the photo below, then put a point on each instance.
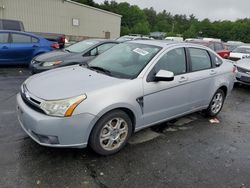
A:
(56, 16)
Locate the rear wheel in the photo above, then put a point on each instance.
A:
(111, 133)
(216, 104)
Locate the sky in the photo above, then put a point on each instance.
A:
(212, 9)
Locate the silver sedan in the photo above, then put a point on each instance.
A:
(130, 87)
(243, 71)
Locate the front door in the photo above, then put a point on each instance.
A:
(166, 99)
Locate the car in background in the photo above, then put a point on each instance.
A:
(240, 52)
(132, 37)
(78, 53)
(179, 39)
(17, 25)
(231, 45)
(129, 87)
(18, 47)
(215, 45)
(243, 71)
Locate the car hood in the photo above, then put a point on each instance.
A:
(58, 55)
(68, 82)
(244, 63)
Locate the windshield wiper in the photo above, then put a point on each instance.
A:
(67, 50)
(100, 69)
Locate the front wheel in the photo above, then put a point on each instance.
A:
(111, 133)
(216, 104)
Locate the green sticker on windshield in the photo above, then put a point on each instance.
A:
(141, 51)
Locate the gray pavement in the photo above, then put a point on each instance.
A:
(189, 152)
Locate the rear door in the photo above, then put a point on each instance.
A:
(23, 47)
(167, 99)
(5, 55)
(202, 77)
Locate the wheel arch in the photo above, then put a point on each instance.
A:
(224, 89)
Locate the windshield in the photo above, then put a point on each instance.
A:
(242, 50)
(125, 60)
(81, 46)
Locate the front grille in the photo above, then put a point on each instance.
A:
(32, 103)
(242, 70)
(234, 58)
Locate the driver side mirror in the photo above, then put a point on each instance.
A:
(164, 75)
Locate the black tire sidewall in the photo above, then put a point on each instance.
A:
(95, 134)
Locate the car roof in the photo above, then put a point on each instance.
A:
(167, 44)
(102, 40)
(20, 32)
(160, 43)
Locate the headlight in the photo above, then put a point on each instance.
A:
(62, 108)
(53, 63)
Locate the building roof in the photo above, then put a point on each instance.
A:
(94, 8)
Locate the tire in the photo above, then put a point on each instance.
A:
(114, 128)
(216, 104)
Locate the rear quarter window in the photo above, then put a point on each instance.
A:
(215, 59)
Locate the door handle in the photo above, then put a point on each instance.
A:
(183, 79)
(35, 46)
(5, 47)
(213, 72)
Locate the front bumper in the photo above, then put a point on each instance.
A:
(243, 78)
(37, 68)
(50, 131)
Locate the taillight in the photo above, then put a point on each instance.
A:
(55, 45)
(62, 39)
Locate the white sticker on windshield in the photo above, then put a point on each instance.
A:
(141, 51)
(90, 43)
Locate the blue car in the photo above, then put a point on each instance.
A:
(20, 47)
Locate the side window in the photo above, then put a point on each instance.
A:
(105, 47)
(4, 37)
(34, 40)
(174, 61)
(216, 60)
(200, 59)
(18, 38)
(218, 47)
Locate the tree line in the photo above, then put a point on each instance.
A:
(144, 21)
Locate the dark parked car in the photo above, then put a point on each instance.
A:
(20, 47)
(218, 47)
(17, 25)
(78, 53)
